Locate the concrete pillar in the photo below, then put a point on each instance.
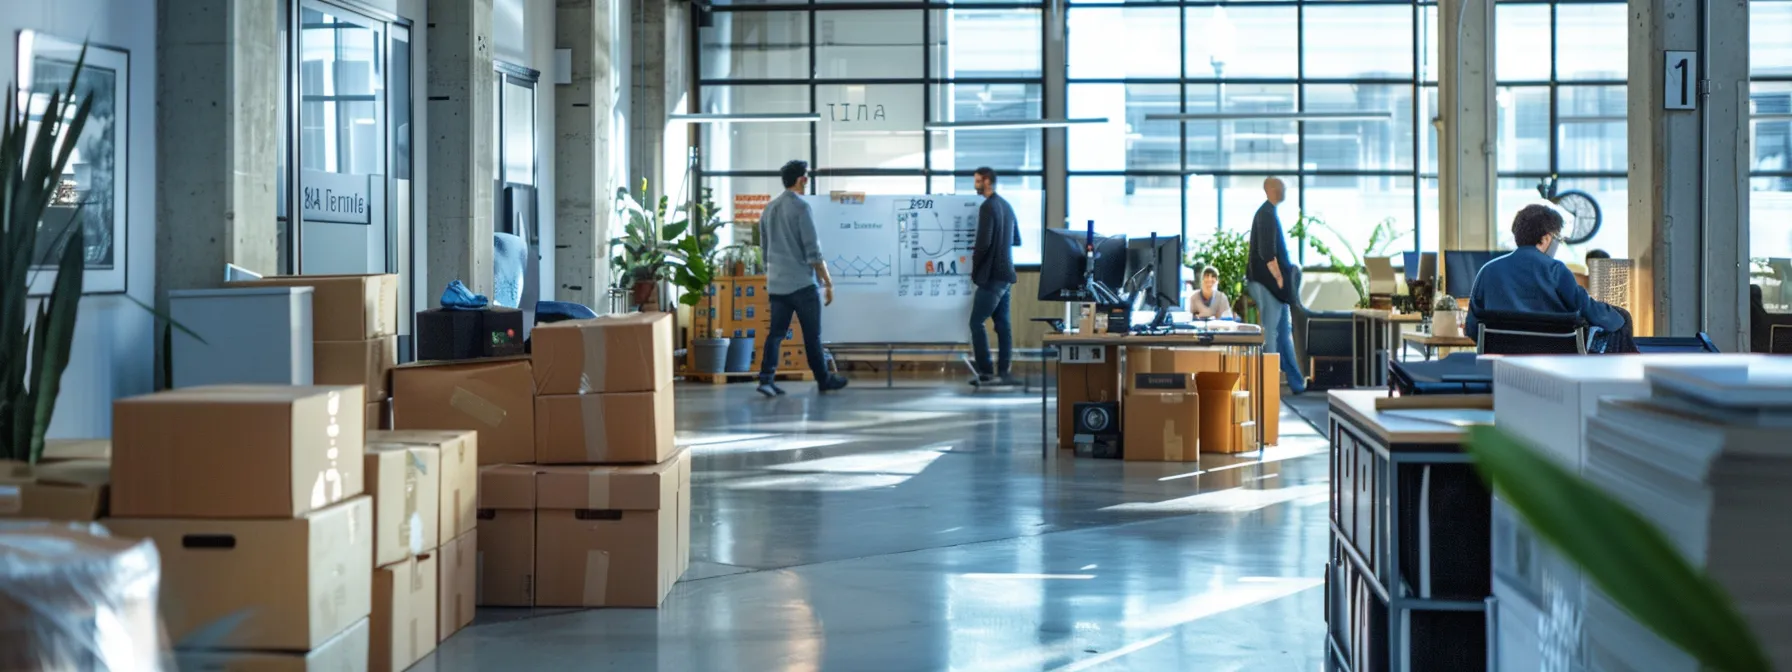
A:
(219, 127)
(582, 113)
(460, 138)
(661, 87)
(1688, 172)
(1466, 141)
(1057, 181)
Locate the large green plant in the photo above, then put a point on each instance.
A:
(642, 253)
(1228, 253)
(32, 358)
(1621, 552)
(1344, 259)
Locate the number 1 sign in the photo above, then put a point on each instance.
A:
(1680, 83)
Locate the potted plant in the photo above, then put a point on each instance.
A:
(1445, 321)
(1342, 258)
(641, 257)
(693, 264)
(1227, 252)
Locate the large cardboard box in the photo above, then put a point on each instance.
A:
(1271, 392)
(1085, 382)
(345, 307)
(404, 614)
(367, 363)
(506, 536)
(457, 573)
(1167, 360)
(610, 536)
(1218, 424)
(453, 455)
(346, 651)
(1161, 425)
(263, 584)
(236, 451)
(617, 428)
(379, 414)
(1138, 360)
(405, 507)
(624, 353)
(494, 397)
(71, 490)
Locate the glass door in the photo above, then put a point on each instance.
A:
(346, 225)
(515, 198)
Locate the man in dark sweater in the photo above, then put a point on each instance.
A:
(1272, 283)
(992, 271)
(1530, 280)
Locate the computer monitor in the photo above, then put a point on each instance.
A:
(1420, 266)
(1063, 264)
(1461, 267)
(1154, 272)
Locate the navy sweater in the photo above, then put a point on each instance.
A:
(1527, 281)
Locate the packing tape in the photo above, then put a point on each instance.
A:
(596, 446)
(414, 529)
(411, 527)
(596, 362)
(480, 408)
(597, 577)
(597, 490)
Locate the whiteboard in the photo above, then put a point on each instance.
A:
(901, 267)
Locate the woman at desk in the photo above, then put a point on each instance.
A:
(1208, 301)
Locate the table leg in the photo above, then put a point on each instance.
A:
(1045, 409)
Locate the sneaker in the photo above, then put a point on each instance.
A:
(770, 390)
(1006, 381)
(982, 380)
(833, 383)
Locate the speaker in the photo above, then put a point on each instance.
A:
(1097, 429)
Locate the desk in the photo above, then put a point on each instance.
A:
(1410, 566)
(1373, 334)
(1430, 344)
(1250, 342)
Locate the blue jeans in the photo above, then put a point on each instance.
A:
(805, 304)
(992, 301)
(1278, 332)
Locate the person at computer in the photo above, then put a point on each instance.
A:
(1531, 280)
(992, 272)
(1271, 282)
(1207, 301)
(796, 278)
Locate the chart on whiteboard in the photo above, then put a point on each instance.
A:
(901, 266)
(936, 245)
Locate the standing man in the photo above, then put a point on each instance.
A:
(1270, 281)
(794, 270)
(992, 271)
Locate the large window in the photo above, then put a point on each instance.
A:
(1770, 68)
(877, 78)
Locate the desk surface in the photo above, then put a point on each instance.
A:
(1205, 338)
(1433, 426)
(1431, 341)
(1388, 315)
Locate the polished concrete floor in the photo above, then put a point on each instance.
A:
(920, 529)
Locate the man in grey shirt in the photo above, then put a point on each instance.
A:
(793, 271)
(992, 271)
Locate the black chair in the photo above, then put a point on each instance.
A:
(1321, 342)
(1516, 333)
(1768, 332)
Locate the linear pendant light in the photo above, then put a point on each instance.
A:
(1009, 124)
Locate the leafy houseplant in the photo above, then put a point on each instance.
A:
(1343, 258)
(641, 257)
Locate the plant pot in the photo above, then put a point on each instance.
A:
(1446, 323)
(709, 355)
(740, 355)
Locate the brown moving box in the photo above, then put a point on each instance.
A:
(495, 397)
(236, 451)
(506, 536)
(1217, 421)
(404, 614)
(1271, 422)
(1085, 382)
(1244, 437)
(1162, 425)
(293, 583)
(1167, 360)
(345, 307)
(624, 353)
(1138, 360)
(457, 572)
(379, 414)
(611, 536)
(55, 489)
(346, 651)
(366, 363)
(453, 456)
(617, 428)
(793, 358)
(403, 502)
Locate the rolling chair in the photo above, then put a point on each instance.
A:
(1515, 333)
(1768, 332)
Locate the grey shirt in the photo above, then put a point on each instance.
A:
(787, 233)
(1220, 306)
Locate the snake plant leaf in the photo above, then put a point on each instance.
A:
(167, 319)
(55, 336)
(1620, 551)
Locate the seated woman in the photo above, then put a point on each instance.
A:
(1530, 280)
(1208, 300)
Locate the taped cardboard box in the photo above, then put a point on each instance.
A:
(379, 414)
(1138, 360)
(618, 428)
(1271, 422)
(405, 508)
(404, 614)
(344, 307)
(506, 536)
(611, 536)
(348, 650)
(495, 397)
(55, 489)
(453, 455)
(1178, 360)
(236, 451)
(457, 575)
(368, 363)
(286, 585)
(1161, 425)
(622, 353)
(1244, 437)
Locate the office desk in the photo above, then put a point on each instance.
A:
(1373, 335)
(1115, 345)
(1431, 344)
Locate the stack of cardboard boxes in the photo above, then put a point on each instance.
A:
(354, 334)
(1176, 404)
(739, 307)
(425, 584)
(69, 482)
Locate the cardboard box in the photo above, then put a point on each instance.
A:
(611, 536)
(294, 584)
(236, 451)
(1166, 360)
(1138, 360)
(1271, 422)
(344, 307)
(506, 536)
(403, 623)
(1161, 425)
(77, 449)
(1244, 437)
(453, 455)
(624, 353)
(457, 572)
(367, 363)
(55, 489)
(396, 483)
(1217, 404)
(1085, 382)
(378, 414)
(1241, 406)
(348, 650)
(493, 397)
(619, 428)
(793, 358)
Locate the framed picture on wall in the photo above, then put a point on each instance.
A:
(94, 184)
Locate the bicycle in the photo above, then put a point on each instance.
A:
(1583, 212)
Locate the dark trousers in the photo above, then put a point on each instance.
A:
(1620, 341)
(805, 304)
(988, 302)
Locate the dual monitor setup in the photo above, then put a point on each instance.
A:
(1460, 268)
(1144, 274)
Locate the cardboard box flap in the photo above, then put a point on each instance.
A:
(1217, 380)
(77, 449)
(76, 473)
(605, 488)
(248, 394)
(613, 353)
(507, 486)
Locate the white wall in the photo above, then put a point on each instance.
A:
(114, 338)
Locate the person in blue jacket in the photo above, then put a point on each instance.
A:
(1530, 280)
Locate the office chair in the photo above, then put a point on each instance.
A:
(1648, 345)
(1515, 333)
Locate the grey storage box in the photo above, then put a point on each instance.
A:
(252, 335)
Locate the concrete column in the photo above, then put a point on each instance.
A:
(1688, 172)
(1466, 141)
(1057, 181)
(460, 138)
(661, 87)
(582, 113)
(219, 126)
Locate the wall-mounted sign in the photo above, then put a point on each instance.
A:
(1680, 81)
(335, 197)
